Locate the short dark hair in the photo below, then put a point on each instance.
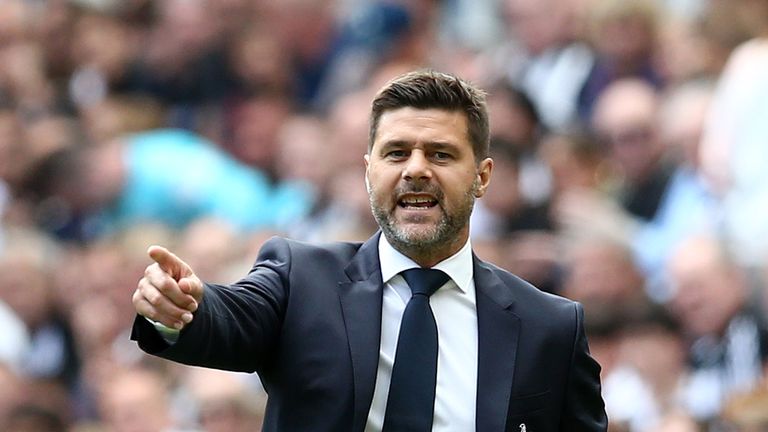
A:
(426, 89)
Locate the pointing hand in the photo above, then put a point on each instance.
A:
(169, 292)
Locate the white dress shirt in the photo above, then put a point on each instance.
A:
(455, 311)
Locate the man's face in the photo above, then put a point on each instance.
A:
(423, 179)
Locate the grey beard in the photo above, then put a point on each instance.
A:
(424, 244)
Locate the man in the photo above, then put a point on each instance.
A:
(320, 324)
(633, 144)
(725, 332)
(154, 176)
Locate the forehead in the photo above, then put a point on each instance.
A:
(416, 125)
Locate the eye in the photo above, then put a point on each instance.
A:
(396, 154)
(442, 155)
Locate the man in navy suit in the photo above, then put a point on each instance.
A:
(320, 324)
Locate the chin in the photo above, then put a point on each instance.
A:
(416, 229)
(418, 236)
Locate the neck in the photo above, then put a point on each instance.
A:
(427, 255)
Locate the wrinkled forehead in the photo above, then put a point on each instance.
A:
(419, 124)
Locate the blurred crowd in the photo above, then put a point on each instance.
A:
(630, 140)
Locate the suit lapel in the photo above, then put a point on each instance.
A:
(498, 333)
(361, 299)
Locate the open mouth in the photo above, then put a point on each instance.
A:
(417, 202)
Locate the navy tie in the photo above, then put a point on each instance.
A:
(411, 399)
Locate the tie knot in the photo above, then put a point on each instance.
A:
(424, 281)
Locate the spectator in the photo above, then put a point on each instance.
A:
(102, 49)
(642, 391)
(624, 36)
(726, 337)
(748, 412)
(577, 162)
(119, 115)
(545, 57)
(678, 422)
(260, 62)
(226, 402)
(26, 286)
(600, 273)
(31, 418)
(515, 120)
(688, 205)
(252, 129)
(341, 210)
(211, 244)
(524, 230)
(167, 176)
(733, 145)
(182, 62)
(629, 132)
(23, 80)
(504, 210)
(136, 400)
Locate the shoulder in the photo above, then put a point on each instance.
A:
(529, 302)
(304, 252)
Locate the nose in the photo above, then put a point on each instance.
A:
(417, 167)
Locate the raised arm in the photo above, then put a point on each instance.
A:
(232, 327)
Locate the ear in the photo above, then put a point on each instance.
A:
(484, 170)
(367, 159)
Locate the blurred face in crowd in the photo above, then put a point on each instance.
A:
(24, 287)
(422, 181)
(539, 24)
(103, 179)
(684, 116)
(257, 123)
(104, 43)
(510, 120)
(226, 402)
(504, 197)
(709, 290)
(135, 401)
(602, 272)
(626, 40)
(303, 154)
(576, 162)
(624, 118)
(662, 369)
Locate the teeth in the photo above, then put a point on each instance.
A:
(417, 200)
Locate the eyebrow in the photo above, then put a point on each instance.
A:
(442, 145)
(432, 145)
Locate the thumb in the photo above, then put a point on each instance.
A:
(169, 262)
(194, 287)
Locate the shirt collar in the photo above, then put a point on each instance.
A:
(458, 267)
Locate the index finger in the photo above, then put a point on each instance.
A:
(168, 261)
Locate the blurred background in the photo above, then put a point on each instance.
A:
(631, 147)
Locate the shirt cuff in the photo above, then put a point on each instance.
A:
(169, 335)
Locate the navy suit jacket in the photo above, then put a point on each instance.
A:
(307, 319)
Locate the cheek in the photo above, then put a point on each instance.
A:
(459, 185)
(378, 190)
(382, 180)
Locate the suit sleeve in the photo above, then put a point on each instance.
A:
(584, 406)
(236, 327)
